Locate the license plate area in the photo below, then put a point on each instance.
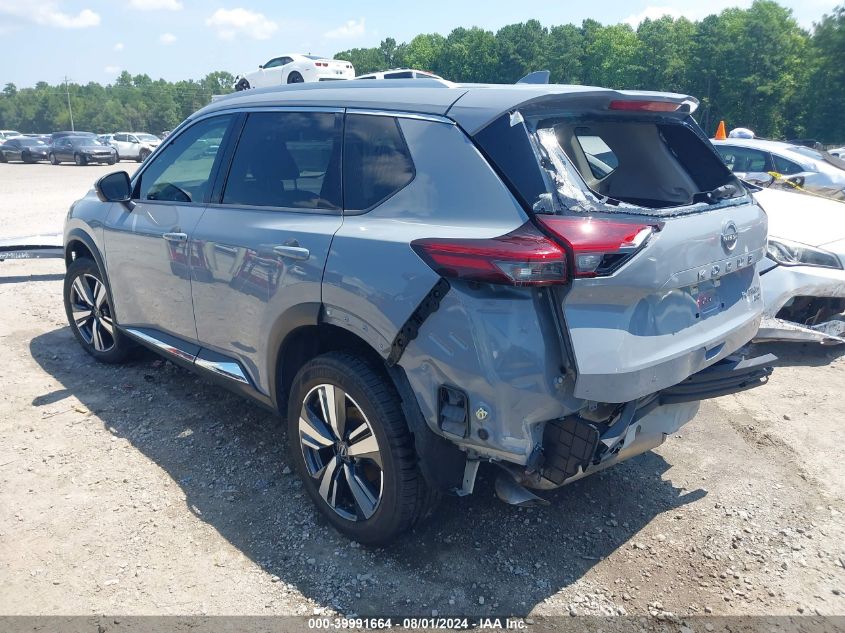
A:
(707, 300)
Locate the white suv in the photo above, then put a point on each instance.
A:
(137, 145)
(295, 68)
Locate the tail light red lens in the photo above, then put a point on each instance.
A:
(524, 257)
(599, 245)
(644, 106)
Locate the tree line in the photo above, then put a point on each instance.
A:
(754, 67)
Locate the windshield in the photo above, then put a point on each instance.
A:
(147, 137)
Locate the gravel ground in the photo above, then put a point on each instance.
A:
(143, 489)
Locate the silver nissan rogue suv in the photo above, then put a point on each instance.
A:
(422, 276)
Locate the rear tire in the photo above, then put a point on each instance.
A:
(3, 158)
(90, 315)
(361, 473)
(295, 78)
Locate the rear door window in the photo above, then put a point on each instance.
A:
(786, 167)
(288, 160)
(745, 159)
(376, 161)
(182, 172)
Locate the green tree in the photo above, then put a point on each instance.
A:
(521, 49)
(824, 90)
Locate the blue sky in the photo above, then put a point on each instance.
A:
(93, 40)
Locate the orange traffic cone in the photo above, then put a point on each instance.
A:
(721, 135)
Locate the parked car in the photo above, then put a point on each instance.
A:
(400, 73)
(839, 152)
(24, 149)
(803, 274)
(295, 68)
(81, 150)
(4, 134)
(427, 276)
(817, 172)
(134, 145)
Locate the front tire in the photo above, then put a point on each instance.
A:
(295, 78)
(142, 155)
(352, 448)
(79, 159)
(53, 159)
(90, 315)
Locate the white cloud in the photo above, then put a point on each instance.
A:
(652, 13)
(232, 22)
(118, 47)
(156, 5)
(48, 14)
(349, 29)
(167, 38)
(111, 70)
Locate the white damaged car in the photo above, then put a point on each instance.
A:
(803, 274)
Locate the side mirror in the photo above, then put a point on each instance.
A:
(114, 187)
(759, 178)
(261, 66)
(797, 181)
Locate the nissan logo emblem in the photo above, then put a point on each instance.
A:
(730, 236)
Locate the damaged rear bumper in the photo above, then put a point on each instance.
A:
(574, 447)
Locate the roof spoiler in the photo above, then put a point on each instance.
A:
(537, 77)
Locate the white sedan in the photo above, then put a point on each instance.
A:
(295, 68)
(803, 274)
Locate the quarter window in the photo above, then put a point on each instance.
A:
(376, 161)
(182, 171)
(287, 159)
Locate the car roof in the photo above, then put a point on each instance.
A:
(472, 106)
(759, 143)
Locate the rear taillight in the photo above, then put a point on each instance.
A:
(321, 64)
(598, 245)
(524, 257)
(637, 105)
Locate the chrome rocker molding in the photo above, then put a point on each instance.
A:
(229, 369)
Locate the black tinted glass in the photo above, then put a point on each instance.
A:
(376, 161)
(287, 159)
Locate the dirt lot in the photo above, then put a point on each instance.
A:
(143, 489)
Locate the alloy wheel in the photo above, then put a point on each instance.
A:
(92, 313)
(341, 452)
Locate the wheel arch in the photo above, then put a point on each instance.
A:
(78, 244)
(441, 462)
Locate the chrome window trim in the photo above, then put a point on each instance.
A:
(401, 114)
